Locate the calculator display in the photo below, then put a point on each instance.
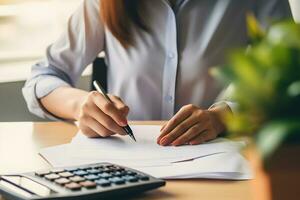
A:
(29, 185)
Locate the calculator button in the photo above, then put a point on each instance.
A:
(88, 184)
(94, 171)
(42, 173)
(119, 169)
(117, 180)
(91, 177)
(131, 179)
(80, 173)
(107, 170)
(57, 170)
(62, 181)
(104, 175)
(71, 169)
(52, 177)
(66, 174)
(117, 174)
(77, 179)
(103, 182)
(84, 168)
(143, 178)
(131, 173)
(98, 167)
(73, 186)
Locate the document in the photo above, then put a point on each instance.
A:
(145, 149)
(146, 155)
(228, 165)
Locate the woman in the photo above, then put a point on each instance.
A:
(159, 53)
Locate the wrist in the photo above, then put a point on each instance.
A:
(77, 104)
(218, 114)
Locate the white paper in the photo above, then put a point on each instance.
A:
(219, 159)
(123, 148)
(229, 165)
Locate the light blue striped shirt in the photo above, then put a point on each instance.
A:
(166, 69)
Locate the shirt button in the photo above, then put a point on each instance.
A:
(169, 98)
(171, 55)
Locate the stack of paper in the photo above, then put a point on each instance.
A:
(216, 159)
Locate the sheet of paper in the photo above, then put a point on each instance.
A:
(229, 165)
(123, 148)
(216, 159)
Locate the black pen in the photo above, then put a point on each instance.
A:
(98, 87)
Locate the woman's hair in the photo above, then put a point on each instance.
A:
(120, 17)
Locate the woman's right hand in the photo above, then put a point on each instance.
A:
(99, 117)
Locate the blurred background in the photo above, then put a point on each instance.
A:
(27, 27)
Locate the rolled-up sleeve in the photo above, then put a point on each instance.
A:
(66, 58)
(224, 99)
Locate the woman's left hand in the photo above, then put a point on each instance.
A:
(192, 125)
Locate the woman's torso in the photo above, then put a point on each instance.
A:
(169, 66)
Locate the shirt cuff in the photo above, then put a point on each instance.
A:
(47, 84)
(40, 88)
(232, 105)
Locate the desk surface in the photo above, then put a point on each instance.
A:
(20, 143)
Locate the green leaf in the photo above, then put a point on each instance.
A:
(255, 31)
(294, 89)
(284, 34)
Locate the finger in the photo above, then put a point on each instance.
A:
(178, 118)
(191, 133)
(106, 121)
(159, 138)
(98, 128)
(178, 131)
(120, 105)
(203, 137)
(89, 132)
(109, 109)
(163, 126)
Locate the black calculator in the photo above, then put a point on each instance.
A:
(96, 181)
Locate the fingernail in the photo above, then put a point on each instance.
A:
(124, 123)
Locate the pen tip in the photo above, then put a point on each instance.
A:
(132, 136)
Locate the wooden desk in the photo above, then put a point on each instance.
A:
(21, 142)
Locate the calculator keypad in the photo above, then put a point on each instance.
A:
(92, 177)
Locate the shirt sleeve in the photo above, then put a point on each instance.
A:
(77, 47)
(231, 104)
(224, 98)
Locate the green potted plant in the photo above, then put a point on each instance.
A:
(265, 82)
